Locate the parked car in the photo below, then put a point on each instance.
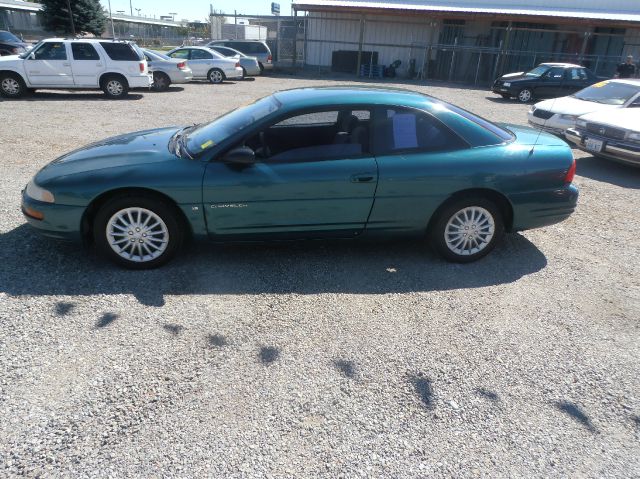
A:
(250, 65)
(556, 115)
(309, 163)
(612, 134)
(59, 63)
(11, 45)
(207, 64)
(254, 48)
(545, 80)
(166, 70)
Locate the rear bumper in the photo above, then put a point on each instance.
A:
(542, 208)
(616, 150)
(60, 221)
(142, 81)
(181, 77)
(267, 66)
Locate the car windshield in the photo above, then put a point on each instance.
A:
(207, 135)
(29, 52)
(9, 37)
(537, 71)
(608, 92)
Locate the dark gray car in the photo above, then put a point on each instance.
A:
(253, 48)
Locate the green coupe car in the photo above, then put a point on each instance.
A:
(339, 162)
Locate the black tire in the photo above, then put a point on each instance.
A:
(525, 95)
(439, 231)
(244, 73)
(216, 76)
(12, 85)
(161, 81)
(261, 68)
(172, 232)
(114, 86)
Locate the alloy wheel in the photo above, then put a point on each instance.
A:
(10, 86)
(115, 88)
(469, 231)
(137, 234)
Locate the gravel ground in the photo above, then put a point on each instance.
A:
(315, 359)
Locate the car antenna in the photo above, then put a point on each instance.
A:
(544, 124)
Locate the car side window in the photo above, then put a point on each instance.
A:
(310, 119)
(576, 74)
(400, 130)
(121, 52)
(183, 54)
(84, 51)
(51, 51)
(555, 73)
(201, 55)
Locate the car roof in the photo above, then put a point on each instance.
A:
(85, 40)
(562, 65)
(237, 40)
(629, 81)
(350, 95)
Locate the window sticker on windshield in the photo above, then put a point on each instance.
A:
(600, 84)
(404, 130)
(206, 144)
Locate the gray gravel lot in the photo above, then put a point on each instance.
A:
(315, 359)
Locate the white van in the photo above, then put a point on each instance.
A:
(61, 63)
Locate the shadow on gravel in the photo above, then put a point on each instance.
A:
(76, 96)
(269, 354)
(64, 308)
(485, 393)
(312, 267)
(609, 172)
(217, 340)
(106, 320)
(424, 390)
(576, 413)
(174, 329)
(347, 368)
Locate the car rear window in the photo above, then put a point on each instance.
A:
(121, 52)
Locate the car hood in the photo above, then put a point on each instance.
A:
(139, 148)
(513, 76)
(627, 118)
(572, 106)
(9, 60)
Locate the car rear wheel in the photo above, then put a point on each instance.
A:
(216, 75)
(161, 81)
(525, 95)
(115, 87)
(12, 85)
(467, 229)
(138, 232)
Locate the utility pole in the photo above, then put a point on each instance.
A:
(73, 27)
(131, 7)
(113, 30)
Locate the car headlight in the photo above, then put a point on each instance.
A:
(569, 117)
(581, 123)
(506, 84)
(39, 194)
(634, 136)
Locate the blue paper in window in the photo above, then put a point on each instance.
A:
(404, 131)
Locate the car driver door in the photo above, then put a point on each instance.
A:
(200, 62)
(49, 65)
(308, 180)
(551, 82)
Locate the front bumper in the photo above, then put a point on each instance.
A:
(616, 150)
(60, 221)
(552, 125)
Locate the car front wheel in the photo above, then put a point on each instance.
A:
(138, 232)
(467, 229)
(216, 75)
(12, 85)
(525, 95)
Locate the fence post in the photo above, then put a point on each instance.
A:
(453, 57)
(360, 40)
(295, 39)
(475, 81)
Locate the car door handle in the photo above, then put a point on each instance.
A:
(362, 178)
(98, 64)
(66, 64)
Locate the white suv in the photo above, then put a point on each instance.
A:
(113, 66)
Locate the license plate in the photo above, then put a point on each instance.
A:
(593, 145)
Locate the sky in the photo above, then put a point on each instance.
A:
(197, 9)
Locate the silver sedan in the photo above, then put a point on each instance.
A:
(207, 64)
(250, 65)
(167, 70)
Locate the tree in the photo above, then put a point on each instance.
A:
(88, 16)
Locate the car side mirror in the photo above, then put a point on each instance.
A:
(242, 155)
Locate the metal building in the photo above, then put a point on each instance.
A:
(466, 40)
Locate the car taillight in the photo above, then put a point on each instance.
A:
(182, 65)
(142, 67)
(269, 58)
(570, 174)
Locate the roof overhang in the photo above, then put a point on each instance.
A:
(439, 9)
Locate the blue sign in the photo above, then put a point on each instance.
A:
(275, 8)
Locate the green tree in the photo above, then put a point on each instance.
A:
(88, 16)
